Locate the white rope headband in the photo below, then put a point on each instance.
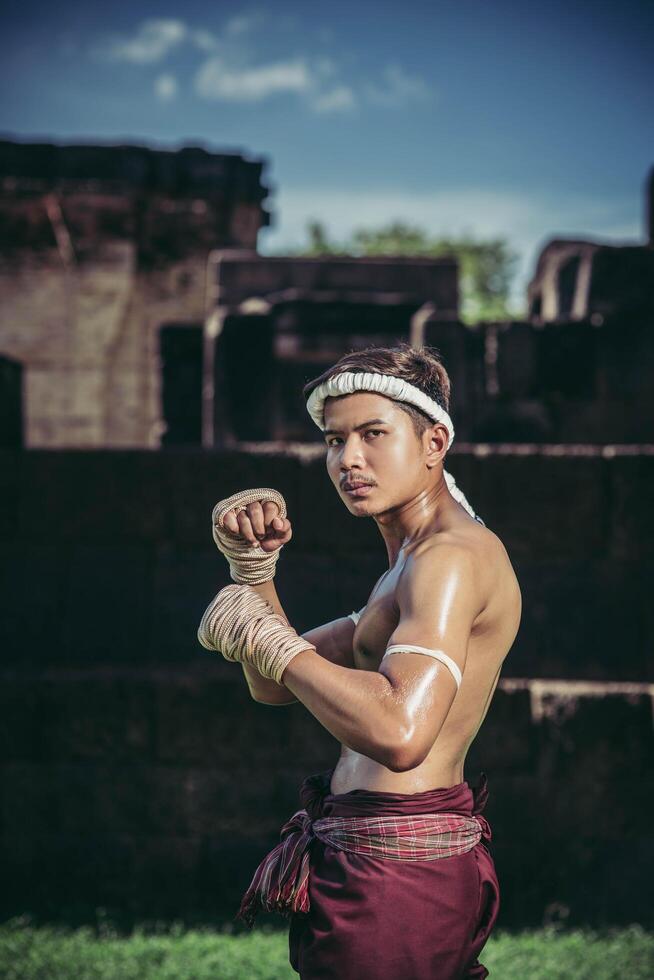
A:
(347, 382)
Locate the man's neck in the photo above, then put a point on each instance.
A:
(402, 526)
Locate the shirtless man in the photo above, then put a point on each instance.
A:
(404, 685)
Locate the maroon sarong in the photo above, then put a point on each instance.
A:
(371, 917)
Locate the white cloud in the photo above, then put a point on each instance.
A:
(217, 80)
(325, 67)
(244, 23)
(221, 80)
(231, 73)
(335, 100)
(526, 220)
(153, 40)
(397, 89)
(165, 87)
(203, 39)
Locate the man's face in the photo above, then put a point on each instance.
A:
(372, 444)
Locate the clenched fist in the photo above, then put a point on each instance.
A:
(250, 528)
(260, 524)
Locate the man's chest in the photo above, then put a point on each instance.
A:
(372, 633)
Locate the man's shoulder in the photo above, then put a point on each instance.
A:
(475, 552)
(470, 541)
(440, 557)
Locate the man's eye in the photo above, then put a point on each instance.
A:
(368, 432)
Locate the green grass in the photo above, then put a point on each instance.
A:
(175, 953)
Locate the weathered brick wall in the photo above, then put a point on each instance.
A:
(129, 532)
(137, 774)
(572, 381)
(100, 247)
(88, 339)
(11, 404)
(155, 792)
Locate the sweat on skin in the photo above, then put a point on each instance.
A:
(403, 721)
(392, 716)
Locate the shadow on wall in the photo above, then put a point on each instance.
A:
(11, 403)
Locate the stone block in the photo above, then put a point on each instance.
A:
(550, 506)
(61, 798)
(506, 738)
(107, 605)
(10, 490)
(516, 804)
(323, 522)
(97, 716)
(47, 393)
(20, 870)
(517, 360)
(164, 875)
(239, 800)
(11, 404)
(33, 582)
(20, 710)
(86, 496)
(143, 800)
(567, 358)
(228, 864)
(597, 750)
(309, 747)
(583, 619)
(523, 871)
(631, 515)
(620, 885)
(210, 719)
(184, 582)
(316, 588)
(197, 480)
(85, 870)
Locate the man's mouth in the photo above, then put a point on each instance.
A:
(357, 489)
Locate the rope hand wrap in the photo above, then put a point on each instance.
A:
(247, 565)
(242, 626)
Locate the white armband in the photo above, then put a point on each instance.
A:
(436, 654)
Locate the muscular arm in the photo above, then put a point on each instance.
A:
(395, 715)
(260, 522)
(333, 641)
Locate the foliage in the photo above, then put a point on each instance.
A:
(174, 953)
(486, 268)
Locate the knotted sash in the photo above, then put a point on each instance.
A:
(281, 882)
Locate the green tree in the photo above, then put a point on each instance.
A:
(486, 268)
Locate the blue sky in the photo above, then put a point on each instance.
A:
(496, 118)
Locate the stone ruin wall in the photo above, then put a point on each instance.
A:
(100, 246)
(119, 266)
(88, 338)
(137, 774)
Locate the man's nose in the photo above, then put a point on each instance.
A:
(352, 454)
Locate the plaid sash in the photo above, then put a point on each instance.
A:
(281, 882)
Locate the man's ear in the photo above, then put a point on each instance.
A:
(435, 440)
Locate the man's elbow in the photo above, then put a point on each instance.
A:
(276, 701)
(404, 753)
(404, 761)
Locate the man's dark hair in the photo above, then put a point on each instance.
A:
(420, 366)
